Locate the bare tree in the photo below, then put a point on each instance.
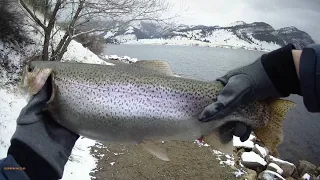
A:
(76, 13)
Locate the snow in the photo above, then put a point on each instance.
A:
(10, 107)
(76, 52)
(274, 173)
(246, 144)
(252, 157)
(236, 23)
(81, 162)
(112, 163)
(130, 30)
(126, 59)
(261, 150)
(114, 57)
(239, 173)
(109, 34)
(224, 159)
(271, 158)
(306, 176)
(200, 144)
(126, 38)
(134, 60)
(276, 167)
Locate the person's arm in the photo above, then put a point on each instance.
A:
(296, 54)
(273, 75)
(11, 170)
(40, 144)
(309, 73)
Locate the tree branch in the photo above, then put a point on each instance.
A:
(47, 35)
(34, 17)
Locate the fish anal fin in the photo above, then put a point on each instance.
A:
(272, 134)
(159, 66)
(215, 142)
(155, 150)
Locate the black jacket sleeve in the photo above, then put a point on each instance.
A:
(310, 77)
(11, 170)
(280, 68)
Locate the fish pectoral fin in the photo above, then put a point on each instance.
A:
(272, 134)
(159, 66)
(155, 150)
(214, 141)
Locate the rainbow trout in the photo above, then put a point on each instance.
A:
(144, 102)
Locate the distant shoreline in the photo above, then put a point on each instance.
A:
(193, 45)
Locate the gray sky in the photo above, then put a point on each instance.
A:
(304, 14)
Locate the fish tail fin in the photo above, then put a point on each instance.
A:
(272, 134)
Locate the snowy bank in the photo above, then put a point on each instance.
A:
(125, 59)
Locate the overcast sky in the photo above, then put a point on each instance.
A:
(304, 14)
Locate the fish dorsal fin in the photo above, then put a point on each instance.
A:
(214, 141)
(155, 150)
(156, 65)
(272, 134)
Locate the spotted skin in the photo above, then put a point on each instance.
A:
(272, 133)
(128, 103)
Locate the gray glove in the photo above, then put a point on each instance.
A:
(273, 75)
(242, 85)
(39, 143)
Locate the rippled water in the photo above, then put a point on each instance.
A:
(301, 130)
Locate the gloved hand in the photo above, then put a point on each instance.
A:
(273, 75)
(39, 143)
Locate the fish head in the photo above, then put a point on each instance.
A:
(33, 79)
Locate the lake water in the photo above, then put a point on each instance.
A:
(301, 129)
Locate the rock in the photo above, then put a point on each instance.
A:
(248, 144)
(307, 167)
(275, 168)
(114, 57)
(306, 176)
(262, 151)
(290, 178)
(251, 175)
(287, 167)
(269, 175)
(253, 161)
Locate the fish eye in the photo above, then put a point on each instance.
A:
(30, 69)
